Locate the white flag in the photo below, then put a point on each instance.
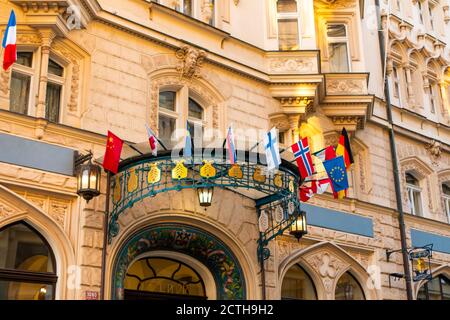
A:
(272, 151)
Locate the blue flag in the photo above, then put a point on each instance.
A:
(188, 143)
(337, 173)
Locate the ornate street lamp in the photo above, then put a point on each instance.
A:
(88, 179)
(205, 195)
(299, 227)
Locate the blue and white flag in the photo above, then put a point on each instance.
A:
(188, 143)
(272, 151)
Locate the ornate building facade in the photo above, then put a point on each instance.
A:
(307, 67)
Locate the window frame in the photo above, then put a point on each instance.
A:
(412, 190)
(345, 40)
(396, 83)
(15, 275)
(60, 81)
(289, 16)
(298, 265)
(28, 72)
(441, 291)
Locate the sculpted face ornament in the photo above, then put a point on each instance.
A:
(191, 61)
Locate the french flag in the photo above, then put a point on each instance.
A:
(9, 42)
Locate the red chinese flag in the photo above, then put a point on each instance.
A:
(112, 154)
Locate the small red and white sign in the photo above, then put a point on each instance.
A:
(91, 295)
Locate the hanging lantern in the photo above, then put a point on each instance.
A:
(205, 195)
(299, 227)
(88, 180)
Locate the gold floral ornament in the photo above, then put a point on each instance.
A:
(235, 172)
(291, 185)
(154, 174)
(278, 180)
(179, 171)
(117, 195)
(208, 170)
(258, 176)
(132, 180)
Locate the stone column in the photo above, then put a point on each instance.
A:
(294, 128)
(443, 86)
(47, 36)
(409, 86)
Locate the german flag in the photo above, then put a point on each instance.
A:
(344, 149)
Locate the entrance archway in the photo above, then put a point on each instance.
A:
(198, 244)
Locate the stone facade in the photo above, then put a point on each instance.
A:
(122, 56)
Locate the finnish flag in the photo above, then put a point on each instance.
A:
(272, 151)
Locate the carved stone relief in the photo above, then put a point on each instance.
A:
(328, 266)
(191, 60)
(292, 65)
(346, 86)
(434, 151)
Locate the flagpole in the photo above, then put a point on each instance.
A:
(105, 234)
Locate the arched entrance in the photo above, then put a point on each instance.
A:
(27, 264)
(158, 246)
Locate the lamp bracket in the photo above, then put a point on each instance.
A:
(82, 158)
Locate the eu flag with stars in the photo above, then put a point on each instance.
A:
(337, 173)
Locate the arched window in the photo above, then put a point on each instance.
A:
(414, 194)
(162, 278)
(297, 285)
(348, 288)
(436, 289)
(175, 108)
(446, 198)
(27, 264)
(288, 25)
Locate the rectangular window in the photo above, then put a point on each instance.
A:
(419, 11)
(288, 34)
(338, 51)
(447, 207)
(167, 100)
(52, 103)
(432, 100)
(430, 12)
(396, 82)
(415, 201)
(20, 92)
(288, 25)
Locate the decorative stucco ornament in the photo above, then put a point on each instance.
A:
(278, 180)
(279, 214)
(117, 194)
(191, 61)
(263, 221)
(435, 151)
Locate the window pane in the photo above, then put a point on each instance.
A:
(286, 6)
(21, 248)
(297, 285)
(166, 129)
(167, 100)
(187, 7)
(446, 189)
(53, 102)
(20, 92)
(348, 288)
(195, 110)
(14, 290)
(417, 203)
(445, 288)
(25, 58)
(288, 34)
(410, 179)
(434, 289)
(336, 30)
(338, 57)
(54, 68)
(196, 131)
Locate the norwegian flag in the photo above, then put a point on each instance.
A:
(303, 156)
(152, 141)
